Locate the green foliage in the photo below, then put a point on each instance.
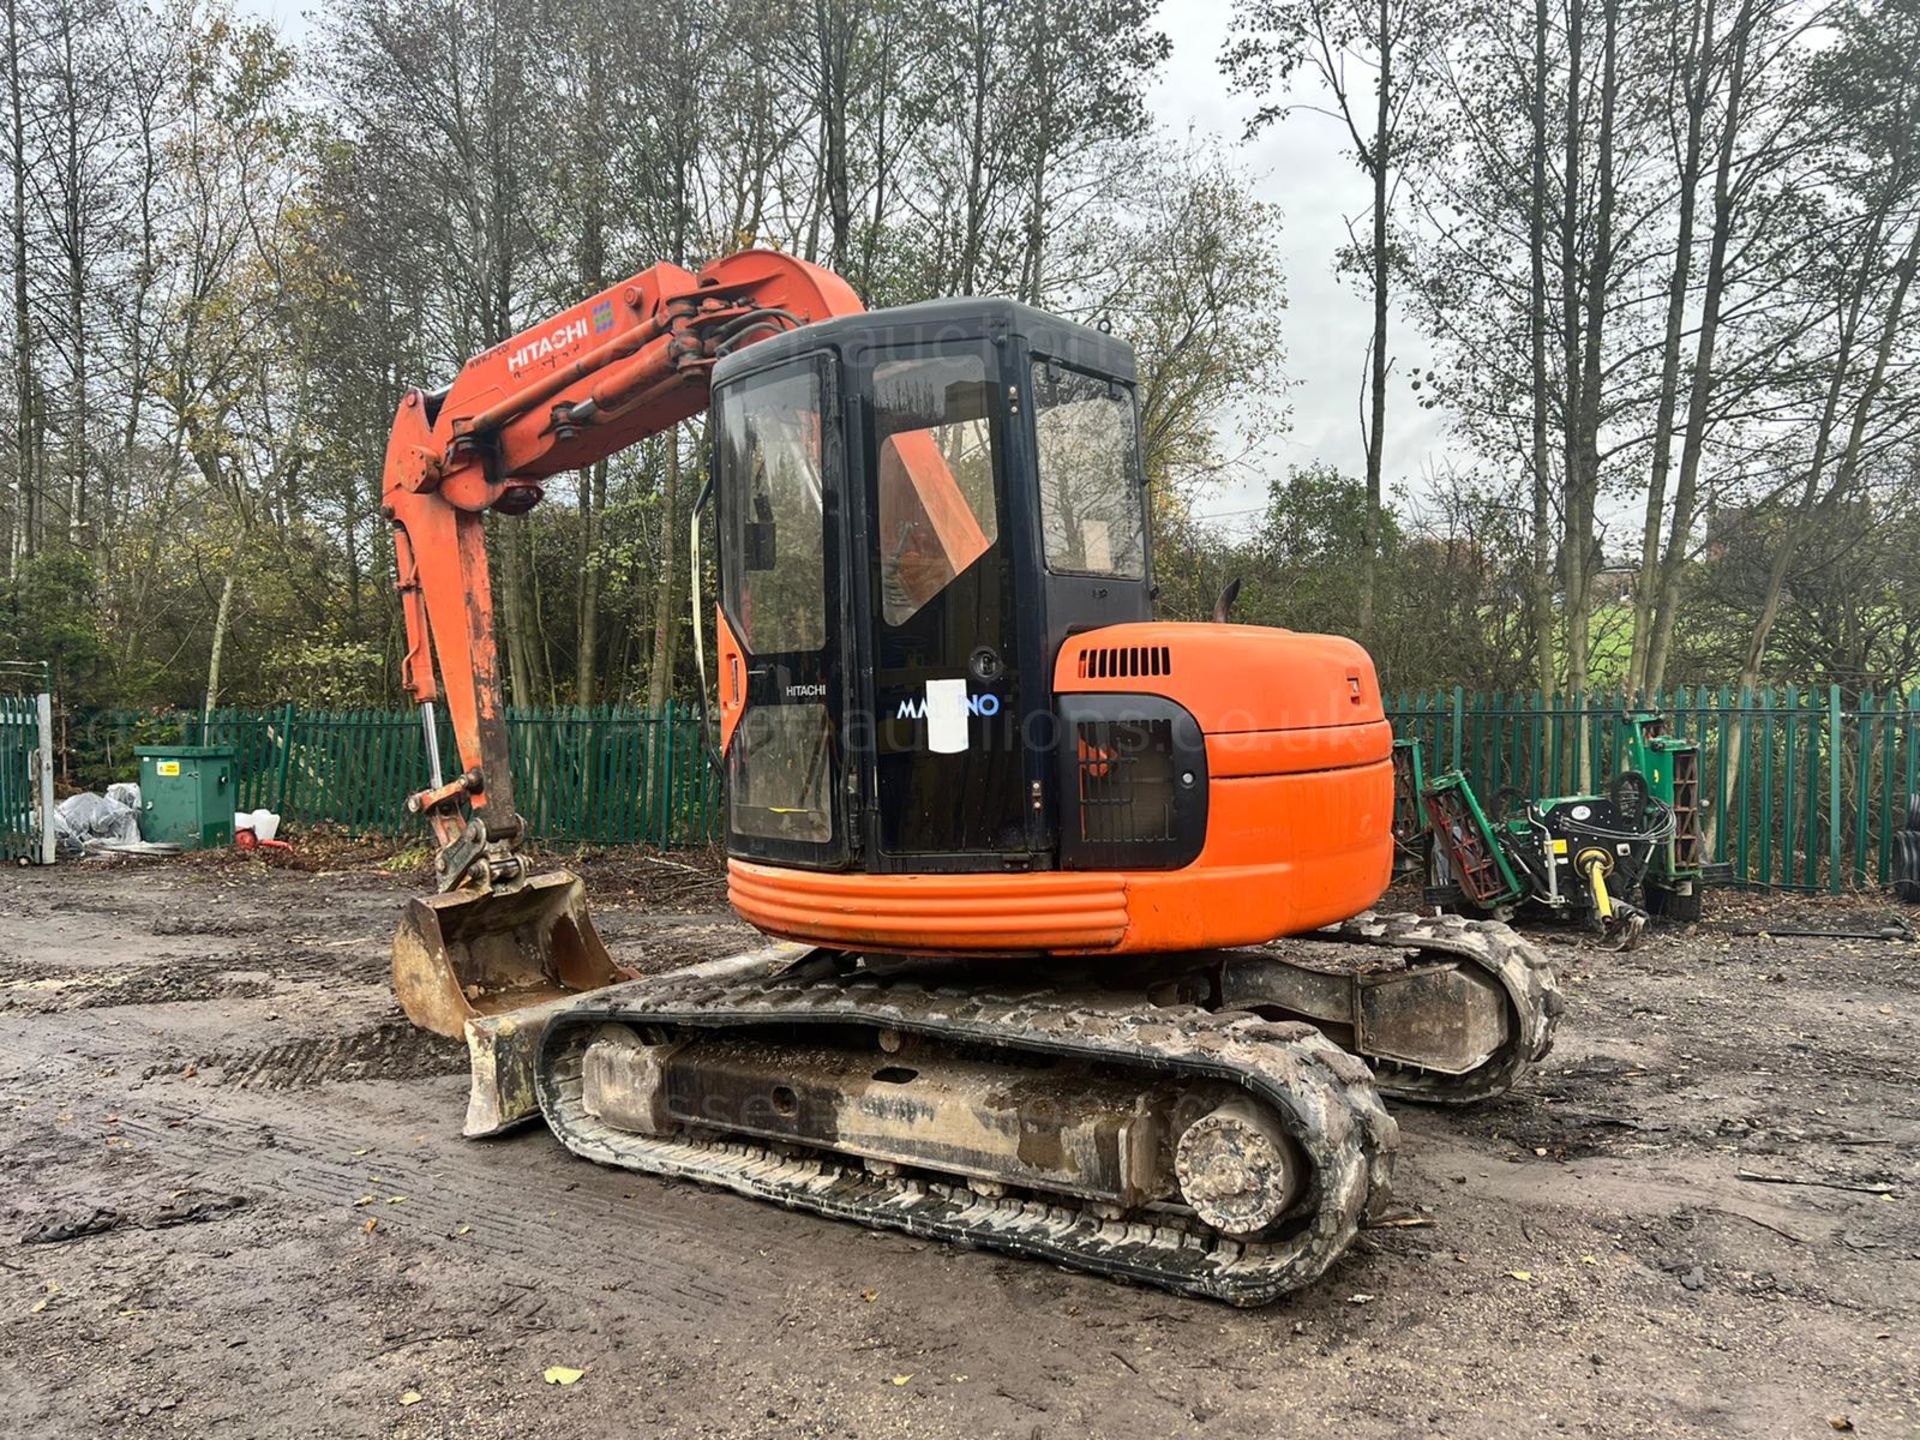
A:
(48, 614)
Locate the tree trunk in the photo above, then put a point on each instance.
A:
(1592, 369)
(1546, 671)
(830, 23)
(1699, 396)
(666, 581)
(1576, 527)
(593, 501)
(220, 617)
(1377, 376)
(882, 159)
(74, 223)
(1695, 78)
(593, 480)
(976, 156)
(20, 536)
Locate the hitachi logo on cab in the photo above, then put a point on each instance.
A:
(547, 345)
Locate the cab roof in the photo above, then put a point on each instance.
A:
(934, 321)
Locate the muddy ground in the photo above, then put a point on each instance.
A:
(235, 1203)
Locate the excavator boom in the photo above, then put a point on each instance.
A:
(629, 362)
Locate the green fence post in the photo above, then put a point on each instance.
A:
(1863, 786)
(1889, 733)
(1833, 788)
(1788, 784)
(1744, 787)
(286, 759)
(1459, 721)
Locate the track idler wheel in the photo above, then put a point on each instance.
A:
(1239, 1170)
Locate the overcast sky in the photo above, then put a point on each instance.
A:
(1302, 165)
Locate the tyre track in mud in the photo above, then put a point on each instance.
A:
(521, 1199)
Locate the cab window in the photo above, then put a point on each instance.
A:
(1092, 506)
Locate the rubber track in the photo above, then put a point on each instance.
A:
(1326, 1098)
(1522, 970)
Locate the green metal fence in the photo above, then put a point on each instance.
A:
(20, 829)
(601, 775)
(1802, 789)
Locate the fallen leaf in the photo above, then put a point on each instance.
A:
(463, 1229)
(1361, 1299)
(1588, 1260)
(869, 1295)
(561, 1374)
(1540, 1150)
(1525, 1276)
(189, 1072)
(42, 1303)
(369, 1227)
(359, 1153)
(412, 1397)
(363, 1200)
(901, 1379)
(1840, 1422)
(396, 1199)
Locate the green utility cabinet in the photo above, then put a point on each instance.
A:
(186, 795)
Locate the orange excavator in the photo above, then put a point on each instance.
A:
(1072, 953)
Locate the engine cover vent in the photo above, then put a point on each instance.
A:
(1122, 662)
(1132, 783)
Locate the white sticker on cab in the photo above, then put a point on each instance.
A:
(946, 716)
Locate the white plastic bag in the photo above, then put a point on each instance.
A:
(83, 817)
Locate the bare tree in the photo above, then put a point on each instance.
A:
(1394, 39)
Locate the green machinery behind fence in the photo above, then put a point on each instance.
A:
(608, 775)
(1798, 789)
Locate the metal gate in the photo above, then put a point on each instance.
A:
(26, 778)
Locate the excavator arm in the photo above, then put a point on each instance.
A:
(629, 362)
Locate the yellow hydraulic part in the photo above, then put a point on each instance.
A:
(1596, 865)
(487, 966)
(1623, 922)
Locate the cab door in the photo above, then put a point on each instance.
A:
(951, 789)
(778, 469)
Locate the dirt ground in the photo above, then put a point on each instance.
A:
(236, 1203)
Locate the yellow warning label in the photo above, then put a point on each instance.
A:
(1559, 847)
(166, 767)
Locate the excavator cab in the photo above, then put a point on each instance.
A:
(887, 487)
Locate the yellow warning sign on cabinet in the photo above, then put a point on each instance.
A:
(166, 767)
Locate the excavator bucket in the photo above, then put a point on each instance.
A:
(488, 966)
